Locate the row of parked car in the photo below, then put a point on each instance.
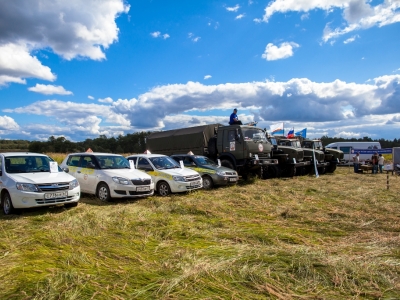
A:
(33, 179)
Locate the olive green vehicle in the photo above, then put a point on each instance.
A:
(291, 158)
(316, 157)
(332, 156)
(212, 173)
(242, 148)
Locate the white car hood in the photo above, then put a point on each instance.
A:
(178, 172)
(126, 173)
(41, 177)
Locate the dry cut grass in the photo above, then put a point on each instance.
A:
(332, 237)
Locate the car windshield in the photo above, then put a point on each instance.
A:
(251, 134)
(27, 164)
(164, 162)
(202, 160)
(112, 162)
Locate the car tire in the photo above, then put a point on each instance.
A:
(6, 204)
(73, 204)
(163, 189)
(207, 182)
(103, 192)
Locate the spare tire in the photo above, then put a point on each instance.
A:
(212, 147)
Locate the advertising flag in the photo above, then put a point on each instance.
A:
(290, 133)
(277, 129)
(302, 133)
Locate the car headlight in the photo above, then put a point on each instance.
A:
(28, 187)
(178, 178)
(220, 173)
(73, 184)
(121, 180)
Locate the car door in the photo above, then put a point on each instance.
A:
(143, 164)
(86, 174)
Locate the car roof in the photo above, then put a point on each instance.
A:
(146, 155)
(94, 153)
(6, 154)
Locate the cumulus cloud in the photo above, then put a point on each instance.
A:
(90, 97)
(49, 89)
(324, 107)
(350, 40)
(207, 77)
(357, 14)
(7, 123)
(82, 28)
(106, 100)
(157, 34)
(238, 17)
(233, 8)
(282, 51)
(194, 38)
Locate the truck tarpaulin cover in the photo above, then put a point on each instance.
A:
(180, 141)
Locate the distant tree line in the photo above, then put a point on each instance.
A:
(130, 143)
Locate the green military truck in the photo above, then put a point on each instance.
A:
(310, 155)
(290, 157)
(239, 147)
(332, 156)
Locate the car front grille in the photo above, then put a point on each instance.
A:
(230, 173)
(192, 178)
(141, 181)
(54, 201)
(53, 187)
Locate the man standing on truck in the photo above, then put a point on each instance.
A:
(234, 118)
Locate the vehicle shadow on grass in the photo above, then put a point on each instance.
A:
(36, 211)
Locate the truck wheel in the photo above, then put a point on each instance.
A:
(103, 192)
(7, 205)
(292, 171)
(321, 171)
(331, 168)
(207, 182)
(163, 189)
(227, 163)
(271, 172)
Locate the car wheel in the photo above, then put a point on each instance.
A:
(73, 204)
(207, 182)
(163, 189)
(103, 192)
(7, 205)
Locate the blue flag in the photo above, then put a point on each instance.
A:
(302, 133)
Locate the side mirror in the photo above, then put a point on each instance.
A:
(65, 169)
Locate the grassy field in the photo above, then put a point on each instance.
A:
(332, 237)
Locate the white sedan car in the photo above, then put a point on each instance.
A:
(167, 174)
(32, 179)
(108, 176)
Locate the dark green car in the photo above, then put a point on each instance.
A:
(212, 174)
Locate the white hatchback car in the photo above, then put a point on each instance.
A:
(33, 179)
(108, 176)
(167, 174)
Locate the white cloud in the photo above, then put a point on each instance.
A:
(282, 51)
(90, 97)
(49, 89)
(16, 63)
(194, 38)
(352, 39)
(233, 8)
(81, 28)
(329, 107)
(157, 34)
(106, 100)
(241, 16)
(7, 123)
(357, 14)
(207, 77)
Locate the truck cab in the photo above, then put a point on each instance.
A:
(332, 156)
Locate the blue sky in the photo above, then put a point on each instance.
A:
(84, 68)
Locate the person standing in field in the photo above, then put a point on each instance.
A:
(356, 162)
(374, 161)
(381, 161)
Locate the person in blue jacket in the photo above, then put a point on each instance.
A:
(234, 118)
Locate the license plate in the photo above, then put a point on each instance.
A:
(143, 189)
(195, 183)
(232, 179)
(56, 195)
